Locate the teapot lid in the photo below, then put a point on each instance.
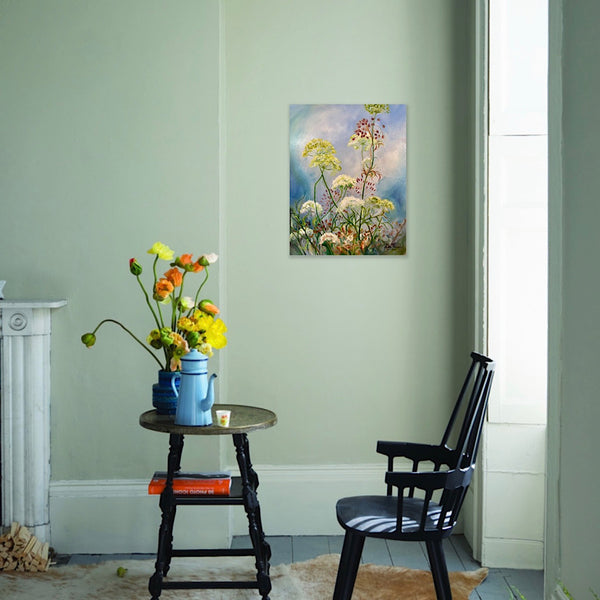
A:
(194, 355)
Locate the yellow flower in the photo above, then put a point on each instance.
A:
(379, 205)
(375, 109)
(202, 321)
(186, 324)
(322, 153)
(162, 250)
(214, 334)
(206, 349)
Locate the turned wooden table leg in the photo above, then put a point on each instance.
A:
(262, 550)
(168, 510)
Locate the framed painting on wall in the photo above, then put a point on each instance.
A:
(347, 179)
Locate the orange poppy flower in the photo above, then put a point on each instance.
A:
(163, 288)
(175, 276)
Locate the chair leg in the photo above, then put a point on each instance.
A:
(348, 567)
(439, 570)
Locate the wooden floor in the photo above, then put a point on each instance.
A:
(288, 549)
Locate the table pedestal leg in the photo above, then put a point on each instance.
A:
(262, 550)
(168, 509)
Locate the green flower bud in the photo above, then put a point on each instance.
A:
(193, 337)
(154, 339)
(89, 339)
(134, 267)
(166, 337)
(208, 307)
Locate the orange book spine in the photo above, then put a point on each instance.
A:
(193, 486)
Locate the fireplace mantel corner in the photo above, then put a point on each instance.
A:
(25, 328)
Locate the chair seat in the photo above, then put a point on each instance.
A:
(374, 515)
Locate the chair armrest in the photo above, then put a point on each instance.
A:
(428, 481)
(417, 452)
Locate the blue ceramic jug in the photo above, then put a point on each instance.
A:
(165, 392)
(196, 391)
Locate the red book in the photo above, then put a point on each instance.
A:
(192, 484)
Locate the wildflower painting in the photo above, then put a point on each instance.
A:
(348, 179)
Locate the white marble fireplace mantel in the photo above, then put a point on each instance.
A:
(25, 327)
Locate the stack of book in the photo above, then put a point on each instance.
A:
(193, 484)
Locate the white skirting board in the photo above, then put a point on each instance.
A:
(105, 517)
(300, 500)
(513, 554)
(108, 516)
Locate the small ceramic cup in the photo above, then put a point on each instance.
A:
(223, 417)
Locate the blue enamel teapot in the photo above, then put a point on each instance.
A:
(196, 392)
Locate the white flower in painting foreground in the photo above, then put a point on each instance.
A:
(344, 182)
(351, 204)
(311, 208)
(329, 237)
(301, 233)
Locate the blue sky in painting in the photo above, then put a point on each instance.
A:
(336, 123)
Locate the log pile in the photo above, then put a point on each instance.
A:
(22, 551)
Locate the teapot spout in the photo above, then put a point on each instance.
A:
(206, 403)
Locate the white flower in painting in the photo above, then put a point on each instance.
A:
(329, 237)
(351, 204)
(311, 209)
(305, 232)
(344, 182)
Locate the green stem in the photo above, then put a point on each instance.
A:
(372, 158)
(131, 334)
(148, 301)
(201, 286)
(176, 303)
(327, 187)
(162, 321)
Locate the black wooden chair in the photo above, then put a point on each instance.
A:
(442, 483)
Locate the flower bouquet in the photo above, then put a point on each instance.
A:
(182, 323)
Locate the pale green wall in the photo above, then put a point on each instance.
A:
(108, 122)
(109, 118)
(576, 413)
(346, 350)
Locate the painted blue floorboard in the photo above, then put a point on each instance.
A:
(288, 549)
(411, 555)
(376, 551)
(305, 547)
